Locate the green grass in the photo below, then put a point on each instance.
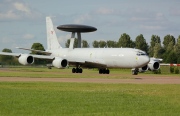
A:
(43, 72)
(61, 73)
(17, 98)
(165, 71)
(46, 98)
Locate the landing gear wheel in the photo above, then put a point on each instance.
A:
(135, 72)
(104, 71)
(77, 70)
(73, 70)
(80, 70)
(100, 71)
(107, 71)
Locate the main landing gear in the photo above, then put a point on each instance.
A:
(77, 70)
(104, 71)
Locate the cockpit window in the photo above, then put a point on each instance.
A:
(141, 54)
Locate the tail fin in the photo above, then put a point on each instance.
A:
(52, 41)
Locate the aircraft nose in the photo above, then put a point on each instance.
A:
(146, 59)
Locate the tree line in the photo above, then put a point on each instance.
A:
(168, 50)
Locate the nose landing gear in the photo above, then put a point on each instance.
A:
(135, 71)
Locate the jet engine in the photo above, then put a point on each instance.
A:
(60, 63)
(153, 65)
(143, 69)
(26, 59)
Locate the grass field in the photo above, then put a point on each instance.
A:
(66, 73)
(60, 73)
(79, 99)
(88, 99)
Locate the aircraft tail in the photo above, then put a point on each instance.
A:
(52, 41)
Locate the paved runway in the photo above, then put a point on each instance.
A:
(136, 80)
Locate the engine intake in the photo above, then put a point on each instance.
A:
(60, 63)
(153, 65)
(26, 59)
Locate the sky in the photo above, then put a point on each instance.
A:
(22, 22)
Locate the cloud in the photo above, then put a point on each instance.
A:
(139, 19)
(9, 15)
(5, 40)
(175, 12)
(17, 10)
(81, 19)
(105, 11)
(96, 14)
(28, 36)
(150, 27)
(22, 7)
(63, 39)
(153, 18)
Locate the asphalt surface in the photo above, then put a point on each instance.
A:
(136, 80)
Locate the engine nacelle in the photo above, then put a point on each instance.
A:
(143, 69)
(153, 65)
(26, 59)
(60, 63)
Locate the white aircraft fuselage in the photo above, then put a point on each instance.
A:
(112, 57)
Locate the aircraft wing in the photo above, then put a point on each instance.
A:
(10, 54)
(38, 51)
(81, 62)
(35, 56)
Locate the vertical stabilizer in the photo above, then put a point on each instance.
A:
(52, 41)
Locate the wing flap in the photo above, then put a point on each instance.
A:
(43, 57)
